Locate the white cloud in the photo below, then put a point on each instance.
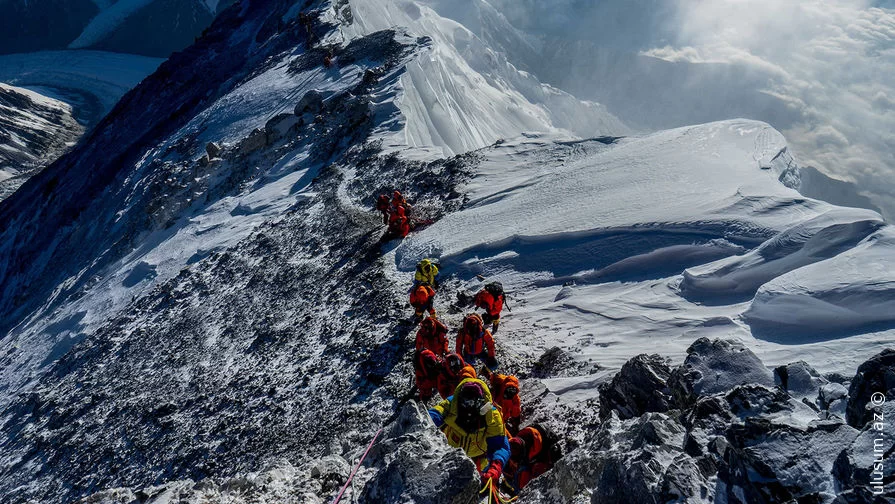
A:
(829, 64)
(833, 60)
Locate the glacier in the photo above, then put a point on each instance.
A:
(184, 321)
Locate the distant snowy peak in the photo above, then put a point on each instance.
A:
(34, 131)
(464, 94)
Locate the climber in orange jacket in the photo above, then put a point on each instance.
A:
(453, 371)
(432, 335)
(398, 224)
(475, 342)
(505, 389)
(398, 201)
(533, 452)
(491, 299)
(426, 368)
(422, 299)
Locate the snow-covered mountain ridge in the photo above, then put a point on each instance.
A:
(177, 310)
(34, 130)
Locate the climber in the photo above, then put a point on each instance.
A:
(453, 371)
(475, 342)
(426, 273)
(382, 205)
(422, 299)
(432, 335)
(328, 58)
(398, 225)
(533, 452)
(426, 366)
(505, 389)
(397, 202)
(471, 422)
(491, 299)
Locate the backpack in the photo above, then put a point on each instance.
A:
(552, 445)
(420, 295)
(495, 289)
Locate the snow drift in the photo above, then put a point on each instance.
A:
(196, 302)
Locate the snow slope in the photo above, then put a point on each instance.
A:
(465, 95)
(149, 27)
(186, 320)
(106, 21)
(642, 244)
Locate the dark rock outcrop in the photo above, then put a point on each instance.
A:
(799, 380)
(640, 387)
(768, 462)
(714, 367)
(418, 465)
(310, 103)
(876, 376)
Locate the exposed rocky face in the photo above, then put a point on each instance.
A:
(876, 376)
(34, 132)
(719, 442)
(261, 370)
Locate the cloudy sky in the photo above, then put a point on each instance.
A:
(830, 62)
(833, 61)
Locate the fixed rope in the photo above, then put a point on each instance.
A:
(359, 462)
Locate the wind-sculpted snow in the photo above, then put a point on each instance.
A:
(813, 240)
(643, 244)
(851, 292)
(698, 182)
(197, 304)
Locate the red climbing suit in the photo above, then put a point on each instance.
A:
(398, 224)
(432, 335)
(426, 368)
(422, 298)
(473, 340)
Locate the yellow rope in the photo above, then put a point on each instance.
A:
(489, 486)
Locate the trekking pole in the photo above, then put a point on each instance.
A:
(339, 497)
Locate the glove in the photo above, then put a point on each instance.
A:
(492, 473)
(436, 417)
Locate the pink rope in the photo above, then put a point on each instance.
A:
(357, 466)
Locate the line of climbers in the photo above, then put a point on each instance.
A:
(483, 418)
(395, 214)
